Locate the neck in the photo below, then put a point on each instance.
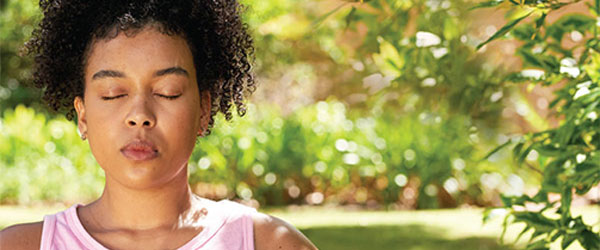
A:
(123, 208)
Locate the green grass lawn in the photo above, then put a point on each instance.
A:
(332, 229)
(413, 230)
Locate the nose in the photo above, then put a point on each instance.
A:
(141, 114)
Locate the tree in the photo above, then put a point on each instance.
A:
(570, 153)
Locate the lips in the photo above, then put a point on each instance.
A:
(140, 150)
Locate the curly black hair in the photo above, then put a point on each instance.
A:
(218, 38)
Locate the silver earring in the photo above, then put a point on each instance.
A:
(82, 136)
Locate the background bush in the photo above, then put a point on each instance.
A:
(319, 154)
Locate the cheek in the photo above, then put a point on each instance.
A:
(102, 122)
(103, 133)
(181, 125)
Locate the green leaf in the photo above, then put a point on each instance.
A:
(568, 23)
(554, 46)
(592, 96)
(351, 16)
(486, 214)
(496, 150)
(541, 196)
(523, 32)
(527, 228)
(576, 22)
(549, 150)
(567, 240)
(506, 200)
(388, 60)
(322, 18)
(504, 226)
(517, 149)
(541, 223)
(540, 21)
(563, 134)
(538, 245)
(565, 205)
(587, 168)
(487, 4)
(555, 236)
(514, 2)
(531, 59)
(545, 61)
(537, 233)
(551, 183)
(589, 239)
(504, 30)
(523, 154)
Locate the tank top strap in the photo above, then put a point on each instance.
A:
(240, 216)
(63, 230)
(229, 227)
(48, 231)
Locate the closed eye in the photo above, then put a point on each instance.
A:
(170, 97)
(112, 97)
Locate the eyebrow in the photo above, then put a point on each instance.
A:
(107, 73)
(119, 74)
(172, 70)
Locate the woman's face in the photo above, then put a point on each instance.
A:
(142, 91)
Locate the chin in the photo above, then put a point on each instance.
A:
(143, 177)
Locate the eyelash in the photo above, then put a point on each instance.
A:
(111, 97)
(172, 97)
(107, 98)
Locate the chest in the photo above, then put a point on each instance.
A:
(158, 240)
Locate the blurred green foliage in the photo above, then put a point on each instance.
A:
(44, 160)
(317, 155)
(385, 103)
(17, 21)
(320, 150)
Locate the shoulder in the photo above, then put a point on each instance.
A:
(273, 233)
(21, 236)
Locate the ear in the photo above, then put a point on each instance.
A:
(81, 119)
(205, 107)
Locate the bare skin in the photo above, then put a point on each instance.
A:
(146, 204)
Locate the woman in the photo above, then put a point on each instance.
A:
(145, 78)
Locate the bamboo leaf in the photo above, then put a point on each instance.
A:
(540, 21)
(567, 240)
(517, 149)
(549, 150)
(541, 223)
(496, 150)
(350, 16)
(538, 24)
(538, 245)
(504, 30)
(527, 228)
(589, 239)
(322, 18)
(504, 226)
(523, 154)
(487, 4)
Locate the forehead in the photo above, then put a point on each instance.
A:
(146, 50)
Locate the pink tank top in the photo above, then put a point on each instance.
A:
(228, 226)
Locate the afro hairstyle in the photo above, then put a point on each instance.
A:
(218, 38)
